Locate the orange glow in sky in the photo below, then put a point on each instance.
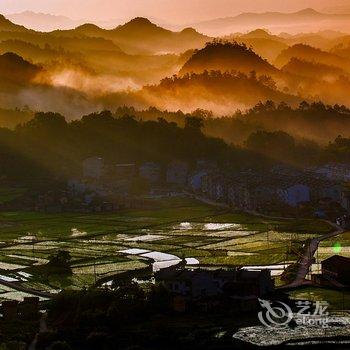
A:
(176, 11)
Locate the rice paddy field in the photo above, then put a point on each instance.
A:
(336, 299)
(103, 245)
(336, 245)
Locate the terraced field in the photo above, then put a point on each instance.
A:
(181, 227)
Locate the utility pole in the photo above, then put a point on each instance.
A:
(95, 269)
(34, 239)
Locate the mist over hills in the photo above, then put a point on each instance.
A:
(304, 20)
(42, 21)
(144, 65)
(141, 36)
(313, 70)
(47, 22)
(310, 53)
(14, 70)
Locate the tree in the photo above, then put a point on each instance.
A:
(194, 124)
(303, 106)
(45, 122)
(59, 262)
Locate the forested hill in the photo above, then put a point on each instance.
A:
(227, 57)
(48, 146)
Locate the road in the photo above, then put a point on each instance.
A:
(307, 259)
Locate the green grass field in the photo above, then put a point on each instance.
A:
(336, 245)
(337, 300)
(178, 226)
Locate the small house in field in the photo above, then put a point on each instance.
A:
(337, 268)
(177, 172)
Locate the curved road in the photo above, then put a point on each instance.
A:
(308, 256)
(309, 252)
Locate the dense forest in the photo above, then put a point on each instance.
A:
(48, 147)
(314, 121)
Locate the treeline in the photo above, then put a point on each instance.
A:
(283, 147)
(314, 121)
(48, 147)
(228, 90)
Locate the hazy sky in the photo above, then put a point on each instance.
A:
(180, 11)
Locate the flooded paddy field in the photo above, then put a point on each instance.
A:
(103, 245)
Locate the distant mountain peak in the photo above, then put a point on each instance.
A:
(140, 21)
(88, 27)
(189, 31)
(14, 57)
(139, 27)
(226, 56)
(260, 32)
(308, 11)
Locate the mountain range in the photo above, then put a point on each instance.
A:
(143, 64)
(304, 20)
(140, 35)
(46, 22)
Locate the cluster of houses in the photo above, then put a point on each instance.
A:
(280, 187)
(205, 288)
(125, 180)
(237, 289)
(274, 189)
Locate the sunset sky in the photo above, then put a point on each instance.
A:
(179, 11)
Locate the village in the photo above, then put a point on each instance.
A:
(321, 192)
(194, 287)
